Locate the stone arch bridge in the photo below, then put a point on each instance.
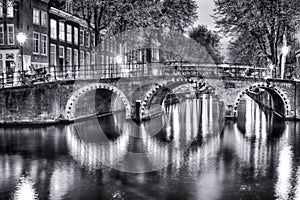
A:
(69, 100)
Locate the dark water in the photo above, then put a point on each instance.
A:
(185, 155)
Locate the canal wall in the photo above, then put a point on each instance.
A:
(46, 103)
(34, 104)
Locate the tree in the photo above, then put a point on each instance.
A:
(57, 3)
(115, 16)
(244, 50)
(264, 22)
(210, 40)
(99, 14)
(178, 14)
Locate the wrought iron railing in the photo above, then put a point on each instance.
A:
(171, 68)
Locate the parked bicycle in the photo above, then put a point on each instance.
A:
(34, 75)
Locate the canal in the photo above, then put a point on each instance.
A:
(189, 153)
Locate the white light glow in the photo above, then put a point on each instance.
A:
(285, 50)
(119, 59)
(25, 190)
(21, 37)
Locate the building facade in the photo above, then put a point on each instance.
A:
(55, 38)
(31, 18)
(71, 44)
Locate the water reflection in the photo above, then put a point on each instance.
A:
(258, 122)
(146, 151)
(25, 190)
(256, 157)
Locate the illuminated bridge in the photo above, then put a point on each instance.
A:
(140, 90)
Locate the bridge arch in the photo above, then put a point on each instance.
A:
(72, 101)
(284, 102)
(167, 87)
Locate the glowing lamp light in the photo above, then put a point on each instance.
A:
(119, 59)
(21, 37)
(285, 50)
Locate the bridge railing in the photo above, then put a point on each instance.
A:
(130, 70)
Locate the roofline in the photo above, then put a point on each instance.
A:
(68, 16)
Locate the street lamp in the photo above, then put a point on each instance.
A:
(21, 37)
(284, 51)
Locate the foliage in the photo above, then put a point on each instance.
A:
(115, 16)
(264, 22)
(57, 3)
(244, 50)
(210, 40)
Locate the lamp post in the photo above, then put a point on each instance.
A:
(21, 37)
(284, 51)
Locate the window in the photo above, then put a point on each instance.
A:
(43, 44)
(1, 62)
(87, 39)
(1, 9)
(69, 56)
(81, 38)
(53, 29)
(1, 34)
(36, 42)
(81, 57)
(61, 52)
(88, 58)
(44, 18)
(75, 35)
(62, 31)
(75, 57)
(10, 34)
(53, 54)
(93, 40)
(36, 16)
(93, 59)
(69, 33)
(9, 8)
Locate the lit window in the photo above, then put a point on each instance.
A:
(1, 34)
(10, 34)
(61, 52)
(44, 18)
(44, 44)
(87, 39)
(81, 38)
(88, 58)
(53, 28)
(36, 16)
(1, 62)
(36, 42)
(62, 31)
(69, 56)
(81, 57)
(69, 33)
(1, 9)
(93, 59)
(53, 54)
(75, 35)
(9, 8)
(75, 57)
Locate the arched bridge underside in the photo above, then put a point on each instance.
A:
(152, 95)
(159, 91)
(281, 103)
(70, 109)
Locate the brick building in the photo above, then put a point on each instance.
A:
(31, 18)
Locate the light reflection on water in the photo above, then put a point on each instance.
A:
(254, 158)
